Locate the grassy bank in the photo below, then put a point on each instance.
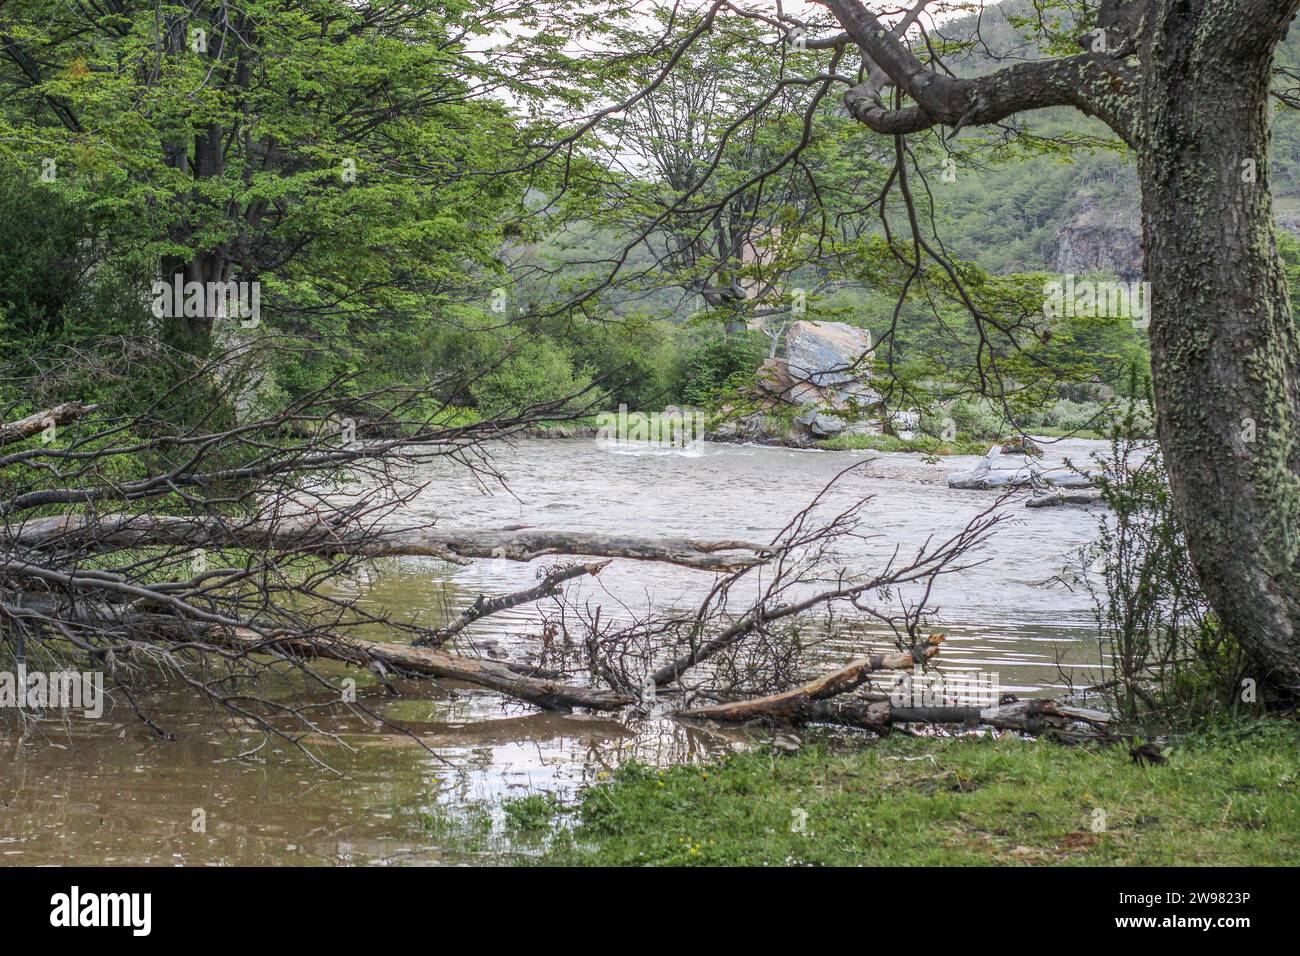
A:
(1224, 797)
(927, 444)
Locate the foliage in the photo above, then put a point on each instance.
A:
(529, 373)
(719, 365)
(532, 812)
(1169, 660)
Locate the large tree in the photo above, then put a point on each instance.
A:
(1186, 84)
(323, 149)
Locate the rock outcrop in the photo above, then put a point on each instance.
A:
(1055, 499)
(825, 371)
(1102, 238)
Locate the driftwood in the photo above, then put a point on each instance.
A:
(484, 606)
(1029, 716)
(327, 534)
(798, 703)
(426, 662)
(27, 427)
(1057, 498)
(814, 702)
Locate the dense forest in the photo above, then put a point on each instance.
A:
(380, 266)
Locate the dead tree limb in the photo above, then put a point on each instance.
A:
(1025, 716)
(929, 561)
(38, 421)
(797, 703)
(426, 662)
(330, 533)
(401, 659)
(484, 606)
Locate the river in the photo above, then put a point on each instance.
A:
(109, 791)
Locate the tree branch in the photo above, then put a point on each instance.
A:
(797, 702)
(337, 533)
(1094, 83)
(484, 606)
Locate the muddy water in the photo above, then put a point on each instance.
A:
(107, 790)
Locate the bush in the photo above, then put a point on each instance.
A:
(719, 366)
(533, 812)
(1172, 663)
(633, 358)
(530, 373)
(54, 283)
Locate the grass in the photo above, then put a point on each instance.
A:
(1093, 433)
(927, 444)
(1225, 797)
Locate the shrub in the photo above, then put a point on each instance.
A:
(720, 365)
(530, 373)
(1171, 660)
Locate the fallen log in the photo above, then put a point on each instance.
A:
(797, 704)
(518, 543)
(330, 534)
(1026, 716)
(402, 659)
(426, 662)
(37, 422)
(990, 473)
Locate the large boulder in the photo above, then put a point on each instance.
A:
(821, 424)
(827, 366)
(1021, 445)
(827, 353)
(825, 372)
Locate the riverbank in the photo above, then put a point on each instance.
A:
(776, 437)
(1224, 797)
(125, 796)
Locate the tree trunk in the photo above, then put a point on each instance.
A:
(1224, 349)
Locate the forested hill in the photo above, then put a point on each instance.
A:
(1058, 210)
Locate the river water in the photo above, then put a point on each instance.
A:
(109, 791)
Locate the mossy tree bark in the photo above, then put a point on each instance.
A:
(1186, 84)
(1224, 348)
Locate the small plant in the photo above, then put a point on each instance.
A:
(1172, 662)
(533, 812)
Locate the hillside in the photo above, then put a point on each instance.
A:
(1061, 212)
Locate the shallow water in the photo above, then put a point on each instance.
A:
(109, 791)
